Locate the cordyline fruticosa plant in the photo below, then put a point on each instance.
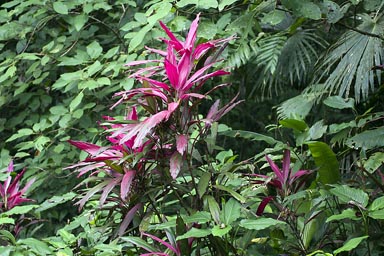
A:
(153, 143)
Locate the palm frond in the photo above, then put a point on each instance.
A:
(348, 64)
(297, 107)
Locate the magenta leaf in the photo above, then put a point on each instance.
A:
(168, 245)
(128, 218)
(263, 204)
(126, 183)
(90, 148)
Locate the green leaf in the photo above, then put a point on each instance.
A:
(378, 215)
(318, 130)
(203, 184)
(253, 136)
(56, 200)
(374, 162)
(196, 233)
(231, 211)
(274, 17)
(221, 230)
(40, 142)
(327, 162)
(213, 208)
(377, 204)
(232, 192)
(36, 246)
(345, 214)
(94, 50)
(310, 10)
(6, 220)
(79, 21)
(339, 102)
(260, 224)
(76, 101)
(199, 217)
(350, 244)
(347, 194)
(20, 133)
(367, 139)
(224, 3)
(20, 209)
(139, 242)
(139, 37)
(60, 7)
(94, 68)
(298, 125)
(8, 235)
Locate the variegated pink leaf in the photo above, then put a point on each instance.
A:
(128, 218)
(181, 143)
(175, 164)
(126, 183)
(86, 146)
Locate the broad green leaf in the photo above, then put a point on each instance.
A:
(165, 225)
(327, 162)
(139, 242)
(295, 124)
(40, 142)
(221, 230)
(139, 37)
(203, 184)
(339, 102)
(58, 110)
(94, 50)
(260, 224)
(103, 81)
(94, 68)
(232, 192)
(231, 211)
(213, 208)
(183, 3)
(60, 7)
(56, 200)
(194, 232)
(76, 101)
(378, 214)
(368, 139)
(377, 204)
(159, 11)
(347, 194)
(6, 220)
(253, 136)
(36, 246)
(345, 214)
(199, 217)
(374, 162)
(20, 209)
(20, 133)
(350, 244)
(333, 11)
(224, 3)
(310, 10)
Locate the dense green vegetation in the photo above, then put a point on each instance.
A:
(289, 161)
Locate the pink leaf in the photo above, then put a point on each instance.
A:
(195, 95)
(168, 245)
(201, 49)
(107, 189)
(286, 165)
(177, 44)
(126, 183)
(86, 146)
(160, 52)
(139, 62)
(181, 143)
(172, 73)
(191, 38)
(275, 169)
(175, 164)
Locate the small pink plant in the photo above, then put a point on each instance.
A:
(10, 192)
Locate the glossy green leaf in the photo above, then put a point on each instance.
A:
(203, 184)
(367, 139)
(233, 193)
(6, 220)
(139, 242)
(374, 162)
(378, 214)
(56, 200)
(36, 246)
(21, 209)
(94, 50)
(213, 208)
(76, 101)
(253, 136)
(225, 3)
(221, 230)
(339, 102)
(345, 214)
(295, 124)
(231, 211)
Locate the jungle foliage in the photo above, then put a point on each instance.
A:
(172, 162)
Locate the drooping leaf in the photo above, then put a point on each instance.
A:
(327, 162)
